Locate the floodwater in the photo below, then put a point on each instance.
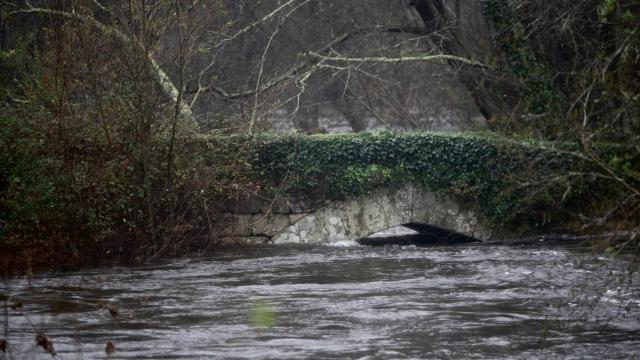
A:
(336, 302)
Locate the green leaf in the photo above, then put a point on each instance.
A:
(262, 315)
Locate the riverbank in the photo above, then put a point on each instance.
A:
(28, 257)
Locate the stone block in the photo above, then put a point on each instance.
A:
(243, 204)
(258, 224)
(277, 206)
(303, 206)
(235, 225)
(227, 224)
(276, 224)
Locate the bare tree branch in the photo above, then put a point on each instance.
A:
(261, 20)
(400, 59)
(159, 75)
(289, 74)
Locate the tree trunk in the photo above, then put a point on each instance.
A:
(437, 20)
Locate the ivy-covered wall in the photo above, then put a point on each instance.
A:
(511, 183)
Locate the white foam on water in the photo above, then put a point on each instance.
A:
(343, 243)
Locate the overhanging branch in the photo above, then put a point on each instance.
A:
(399, 59)
(314, 57)
(296, 69)
(158, 74)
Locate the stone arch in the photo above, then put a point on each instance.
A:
(357, 218)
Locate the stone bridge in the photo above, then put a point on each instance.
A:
(327, 189)
(328, 221)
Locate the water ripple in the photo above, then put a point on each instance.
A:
(350, 302)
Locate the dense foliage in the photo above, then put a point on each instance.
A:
(84, 161)
(482, 171)
(567, 69)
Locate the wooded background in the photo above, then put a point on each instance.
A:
(101, 99)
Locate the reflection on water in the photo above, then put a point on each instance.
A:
(336, 302)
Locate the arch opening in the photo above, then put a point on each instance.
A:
(417, 234)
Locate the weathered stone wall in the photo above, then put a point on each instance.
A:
(349, 220)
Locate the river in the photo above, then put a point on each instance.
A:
(336, 302)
